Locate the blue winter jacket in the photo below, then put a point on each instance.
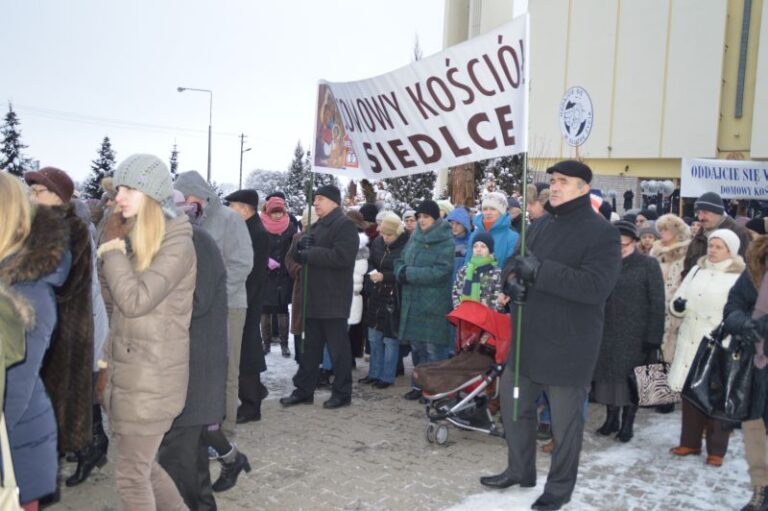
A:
(504, 238)
(460, 215)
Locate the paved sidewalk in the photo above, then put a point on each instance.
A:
(373, 456)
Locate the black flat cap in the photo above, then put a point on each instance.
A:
(572, 168)
(247, 196)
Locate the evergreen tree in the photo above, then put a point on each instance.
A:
(174, 162)
(11, 157)
(368, 192)
(505, 172)
(408, 191)
(296, 182)
(103, 166)
(321, 179)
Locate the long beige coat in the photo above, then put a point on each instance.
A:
(671, 258)
(148, 351)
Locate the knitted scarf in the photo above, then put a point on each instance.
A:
(475, 268)
(275, 226)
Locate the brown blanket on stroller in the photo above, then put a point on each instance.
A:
(446, 375)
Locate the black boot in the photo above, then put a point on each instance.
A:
(266, 332)
(87, 459)
(759, 501)
(627, 422)
(611, 424)
(232, 464)
(92, 456)
(325, 379)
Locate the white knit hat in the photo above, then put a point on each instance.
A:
(729, 238)
(497, 201)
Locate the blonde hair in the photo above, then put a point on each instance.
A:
(16, 212)
(148, 232)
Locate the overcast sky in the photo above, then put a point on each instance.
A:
(79, 70)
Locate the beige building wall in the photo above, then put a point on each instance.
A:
(661, 75)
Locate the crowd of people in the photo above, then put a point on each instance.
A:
(157, 305)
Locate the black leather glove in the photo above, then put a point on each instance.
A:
(515, 290)
(306, 242)
(679, 304)
(744, 342)
(527, 268)
(300, 256)
(738, 323)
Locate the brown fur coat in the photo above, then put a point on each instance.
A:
(68, 367)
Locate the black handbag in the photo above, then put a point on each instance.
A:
(719, 382)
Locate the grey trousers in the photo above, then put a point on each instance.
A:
(141, 482)
(235, 325)
(567, 410)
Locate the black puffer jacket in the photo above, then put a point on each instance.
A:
(383, 311)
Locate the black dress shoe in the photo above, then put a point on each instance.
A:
(503, 480)
(548, 502)
(382, 384)
(412, 395)
(246, 417)
(367, 379)
(296, 399)
(337, 402)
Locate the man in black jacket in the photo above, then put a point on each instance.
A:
(710, 211)
(250, 389)
(328, 255)
(571, 265)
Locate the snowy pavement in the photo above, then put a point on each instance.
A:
(373, 456)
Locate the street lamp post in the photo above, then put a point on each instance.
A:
(210, 121)
(242, 151)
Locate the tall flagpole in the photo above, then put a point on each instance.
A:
(519, 312)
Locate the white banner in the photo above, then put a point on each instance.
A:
(731, 179)
(464, 104)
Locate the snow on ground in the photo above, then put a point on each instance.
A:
(639, 475)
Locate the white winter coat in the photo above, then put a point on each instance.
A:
(706, 290)
(361, 268)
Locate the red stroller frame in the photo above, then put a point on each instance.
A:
(465, 405)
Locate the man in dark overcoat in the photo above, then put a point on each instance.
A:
(570, 267)
(328, 255)
(250, 390)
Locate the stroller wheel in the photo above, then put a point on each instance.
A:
(441, 435)
(430, 432)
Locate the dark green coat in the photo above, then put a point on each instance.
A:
(426, 295)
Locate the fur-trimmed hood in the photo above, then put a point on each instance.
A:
(737, 264)
(43, 250)
(671, 253)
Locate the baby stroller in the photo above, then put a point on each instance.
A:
(458, 390)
